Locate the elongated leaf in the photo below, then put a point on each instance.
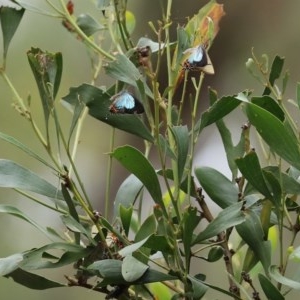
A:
(136, 163)
(273, 131)
(33, 281)
(229, 217)
(133, 269)
(98, 102)
(147, 228)
(36, 259)
(7, 209)
(275, 274)
(125, 216)
(269, 289)
(24, 148)
(199, 289)
(15, 176)
(128, 250)
(10, 263)
(70, 203)
(10, 19)
(130, 187)
(269, 104)
(251, 170)
(251, 232)
(218, 110)
(275, 72)
(181, 135)
(37, 9)
(232, 152)
(88, 24)
(190, 221)
(222, 191)
(47, 70)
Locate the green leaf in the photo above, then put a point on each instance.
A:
(132, 269)
(24, 148)
(136, 163)
(10, 263)
(232, 152)
(298, 94)
(269, 104)
(88, 24)
(228, 217)
(128, 250)
(15, 176)
(222, 191)
(33, 281)
(275, 72)
(215, 253)
(165, 148)
(10, 19)
(125, 216)
(252, 233)
(190, 221)
(218, 110)
(6, 209)
(76, 227)
(275, 134)
(98, 102)
(251, 170)
(47, 71)
(275, 274)
(37, 9)
(130, 187)
(147, 228)
(181, 136)
(269, 289)
(37, 258)
(199, 289)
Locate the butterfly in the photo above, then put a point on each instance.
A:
(198, 59)
(125, 103)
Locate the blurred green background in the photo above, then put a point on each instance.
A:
(270, 26)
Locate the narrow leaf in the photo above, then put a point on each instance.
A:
(269, 104)
(10, 263)
(199, 288)
(251, 170)
(269, 289)
(7, 209)
(98, 102)
(15, 176)
(228, 217)
(88, 24)
(221, 190)
(146, 229)
(251, 232)
(130, 187)
(136, 163)
(33, 281)
(128, 250)
(181, 135)
(10, 19)
(275, 134)
(132, 269)
(275, 274)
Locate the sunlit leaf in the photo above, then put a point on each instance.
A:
(10, 263)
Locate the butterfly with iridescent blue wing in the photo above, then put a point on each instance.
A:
(198, 59)
(125, 103)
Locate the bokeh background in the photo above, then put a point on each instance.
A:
(270, 26)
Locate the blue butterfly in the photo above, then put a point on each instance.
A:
(125, 103)
(198, 59)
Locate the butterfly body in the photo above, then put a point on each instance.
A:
(125, 103)
(198, 59)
